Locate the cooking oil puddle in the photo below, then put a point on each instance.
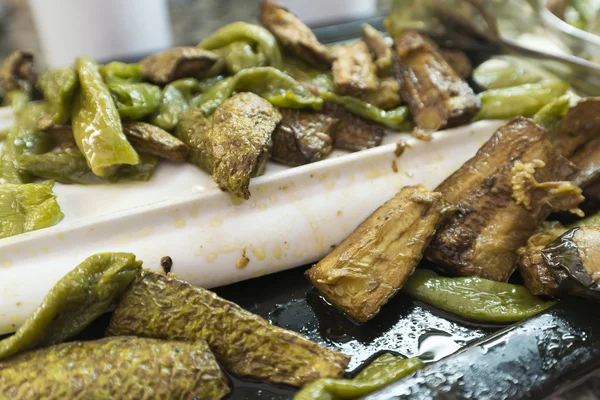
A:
(434, 345)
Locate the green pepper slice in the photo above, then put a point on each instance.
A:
(58, 87)
(119, 72)
(135, 100)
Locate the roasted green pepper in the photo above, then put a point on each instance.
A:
(475, 298)
(240, 55)
(135, 100)
(256, 35)
(17, 99)
(383, 370)
(524, 100)
(278, 88)
(114, 368)
(396, 119)
(27, 207)
(58, 87)
(307, 74)
(174, 101)
(71, 167)
(551, 115)
(96, 123)
(503, 73)
(119, 72)
(75, 301)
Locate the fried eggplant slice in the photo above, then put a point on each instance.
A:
(533, 269)
(580, 125)
(353, 133)
(175, 63)
(150, 139)
(495, 217)
(17, 72)
(294, 35)
(369, 267)
(587, 159)
(302, 137)
(117, 367)
(245, 344)
(387, 94)
(437, 97)
(381, 53)
(240, 139)
(459, 62)
(354, 72)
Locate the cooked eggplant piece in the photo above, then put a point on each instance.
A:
(459, 62)
(353, 133)
(294, 35)
(381, 53)
(581, 124)
(500, 202)
(437, 97)
(533, 269)
(387, 94)
(161, 306)
(119, 367)
(568, 265)
(302, 137)
(587, 159)
(353, 70)
(150, 139)
(175, 63)
(369, 267)
(17, 72)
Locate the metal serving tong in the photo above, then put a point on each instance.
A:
(490, 27)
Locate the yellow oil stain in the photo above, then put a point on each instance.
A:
(128, 237)
(33, 252)
(242, 261)
(180, 223)
(216, 222)
(229, 249)
(314, 225)
(236, 200)
(195, 210)
(277, 252)
(259, 254)
(199, 251)
(262, 206)
(60, 236)
(273, 198)
(19, 304)
(7, 264)
(45, 250)
(211, 257)
(286, 245)
(17, 250)
(297, 253)
(321, 178)
(339, 213)
(329, 185)
(260, 273)
(373, 173)
(92, 229)
(337, 173)
(351, 179)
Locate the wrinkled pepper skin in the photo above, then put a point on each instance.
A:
(174, 101)
(58, 87)
(244, 343)
(495, 74)
(278, 88)
(193, 129)
(80, 297)
(71, 167)
(96, 123)
(17, 100)
(383, 370)
(27, 207)
(119, 72)
(264, 41)
(475, 298)
(135, 101)
(176, 63)
(115, 368)
(240, 55)
(550, 116)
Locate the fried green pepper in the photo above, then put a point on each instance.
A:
(163, 307)
(550, 116)
(502, 73)
(264, 41)
(96, 123)
(71, 167)
(278, 88)
(119, 72)
(58, 87)
(396, 119)
(475, 298)
(135, 100)
(17, 99)
(524, 100)
(80, 297)
(113, 368)
(383, 370)
(240, 55)
(307, 75)
(176, 63)
(27, 207)
(174, 101)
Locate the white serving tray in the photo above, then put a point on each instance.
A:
(294, 217)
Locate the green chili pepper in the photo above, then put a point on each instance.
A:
(175, 98)
(256, 35)
(240, 55)
(475, 298)
(551, 115)
(58, 86)
(4, 134)
(524, 100)
(135, 100)
(96, 123)
(385, 369)
(75, 301)
(279, 89)
(503, 73)
(71, 167)
(17, 99)
(118, 72)
(302, 71)
(396, 118)
(27, 207)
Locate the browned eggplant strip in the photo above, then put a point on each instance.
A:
(459, 62)
(580, 125)
(175, 63)
(482, 237)
(353, 70)
(373, 263)
(353, 133)
(380, 51)
(302, 137)
(535, 273)
(293, 34)
(436, 95)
